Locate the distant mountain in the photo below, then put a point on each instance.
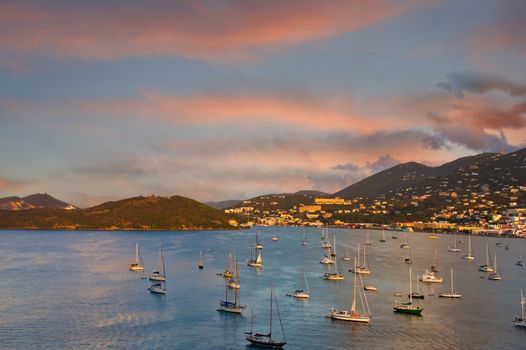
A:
(38, 200)
(163, 213)
(224, 204)
(314, 193)
(492, 170)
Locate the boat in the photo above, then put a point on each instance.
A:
(519, 262)
(433, 236)
(469, 255)
(454, 248)
(363, 270)
(370, 288)
(367, 240)
(408, 260)
(408, 308)
(228, 269)
(394, 235)
(450, 294)
(486, 267)
(326, 244)
(257, 262)
(201, 264)
(327, 260)
(495, 276)
(304, 240)
(138, 264)
(346, 257)
(303, 292)
(383, 236)
(275, 237)
(435, 267)
(417, 294)
(233, 283)
(232, 307)
(265, 339)
(520, 321)
(158, 274)
(430, 277)
(404, 244)
(334, 276)
(259, 245)
(353, 315)
(333, 252)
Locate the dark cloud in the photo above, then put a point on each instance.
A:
(436, 141)
(477, 83)
(476, 140)
(348, 166)
(383, 162)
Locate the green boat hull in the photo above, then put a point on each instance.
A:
(410, 311)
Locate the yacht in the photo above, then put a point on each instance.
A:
(430, 277)
(520, 321)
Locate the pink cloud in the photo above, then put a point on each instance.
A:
(211, 32)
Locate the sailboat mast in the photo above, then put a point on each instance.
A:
(410, 287)
(495, 264)
(270, 321)
(487, 254)
(136, 253)
(353, 307)
(237, 281)
(522, 305)
(364, 266)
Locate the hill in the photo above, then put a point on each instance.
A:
(158, 213)
(224, 204)
(38, 200)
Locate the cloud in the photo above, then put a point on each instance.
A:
(210, 31)
(383, 162)
(477, 83)
(8, 185)
(348, 166)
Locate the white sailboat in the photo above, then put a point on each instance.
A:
(275, 237)
(495, 275)
(450, 294)
(303, 292)
(259, 245)
(520, 321)
(158, 273)
(405, 244)
(326, 244)
(363, 270)
(228, 268)
(383, 236)
(454, 249)
(229, 306)
(159, 276)
(469, 255)
(486, 267)
(233, 282)
(304, 240)
(346, 257)
(257, 262)
(138, 264)
(334, 276)
(353, 315)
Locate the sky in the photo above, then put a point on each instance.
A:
(219, 100)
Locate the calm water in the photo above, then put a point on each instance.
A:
(73, 290)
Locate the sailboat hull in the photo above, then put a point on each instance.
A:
(409, 310)
(264, 342)
(349, 316)
(136, 267)
(230, 308)
(157, 290)
(450, 295)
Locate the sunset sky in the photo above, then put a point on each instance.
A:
(220, 100)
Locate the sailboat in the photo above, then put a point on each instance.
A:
(346, 257)
(333, 252)
(326, 244)
(353, 315)
(469, 255)
(229, 306)
(417, 294)
(265, 339)
(404, 244)
(520, 321)
(519, 263)
(259, 245)
(433, 235)
(201, 264)
(435, 268)
(367, 241)
(304, 240)
(257, 261)
(450, 294)
(275, 237)
(486, 267)
(334, 276)
(408, 260)
(138, 264)
(228, 268)
(454, 249)
(363, 270)
(233, 283)
(394, 235)
(159, 276)
(383, 236)
(495, 276)
(408, 308)
(303, 292)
